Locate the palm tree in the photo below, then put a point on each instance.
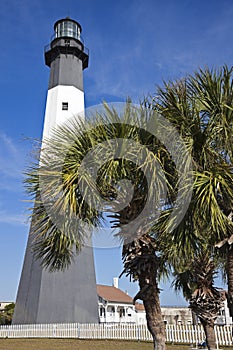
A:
(196, 279)
(201, 108)
(69, 183)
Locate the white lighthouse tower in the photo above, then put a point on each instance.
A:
(63, 296)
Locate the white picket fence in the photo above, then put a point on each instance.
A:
(174, 333)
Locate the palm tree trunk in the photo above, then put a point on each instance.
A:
(230, 280)
(155, 323)
(141, 263)
(209, 333)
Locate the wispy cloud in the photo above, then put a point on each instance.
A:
(163, 41)
(12, 161)
(13, 219)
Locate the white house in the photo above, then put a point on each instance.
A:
(117, 306)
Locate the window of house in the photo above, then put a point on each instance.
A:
(65, 106)
(122, 312)
(102, 311)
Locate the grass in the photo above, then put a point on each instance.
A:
(77, 344)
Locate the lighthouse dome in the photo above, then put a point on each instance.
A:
(67, 28)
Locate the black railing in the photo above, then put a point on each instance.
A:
(85, 49)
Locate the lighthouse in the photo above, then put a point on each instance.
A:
(63, 296)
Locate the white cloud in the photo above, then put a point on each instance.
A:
(12, 163)
(13, 219)
(12, 160)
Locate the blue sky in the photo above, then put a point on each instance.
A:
(134, 46)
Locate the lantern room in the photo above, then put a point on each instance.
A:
(67, 28)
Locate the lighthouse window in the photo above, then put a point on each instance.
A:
(67, 29)
(65, 106)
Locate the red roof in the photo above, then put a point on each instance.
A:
(113, 294)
